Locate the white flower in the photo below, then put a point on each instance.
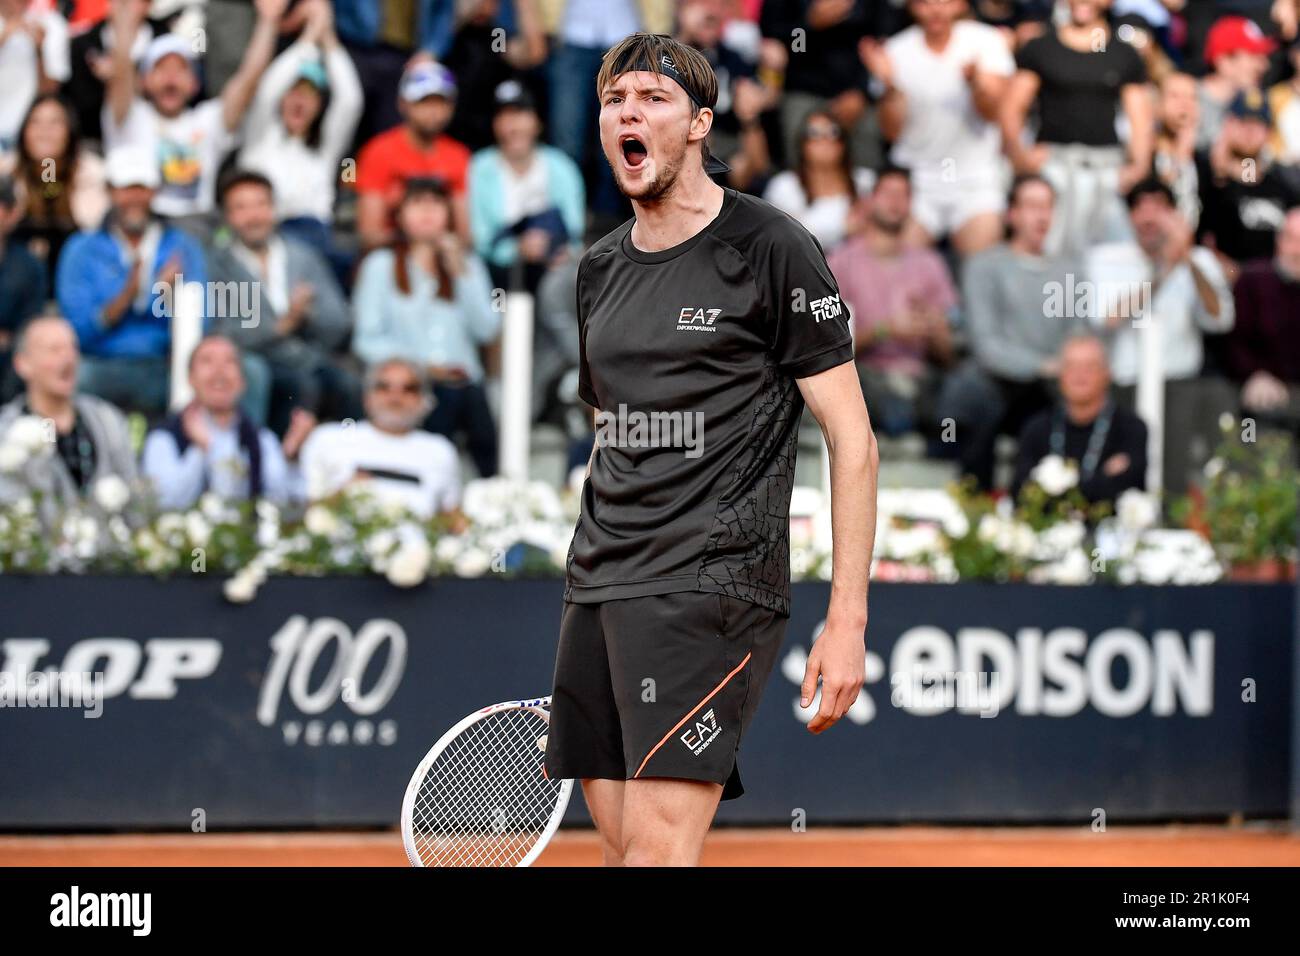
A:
(12, 458)
(30, 433)
(1213, 468)
(112, 493)
(171, 524)
(1060, 539)
(268, 533)
(212, 507)
(472, 563)
(409, 564)
(1055, 475)
(197, 528)
(320, 521)
(240, 589)
(1136, 510)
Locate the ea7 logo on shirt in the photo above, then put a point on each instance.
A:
(703, 733)
(692, 319)
(827, 307)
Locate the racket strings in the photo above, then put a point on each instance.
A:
(484, 800)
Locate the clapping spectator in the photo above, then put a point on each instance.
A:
(22, 285)
(211, 446)
(151, 112)
(299, 127)
(428, 300)
(388, 453)
(299, 317)
(419, 147)
(527, 199)
(1175, 151)
(943, 81)
(823, 188)
(117, 285)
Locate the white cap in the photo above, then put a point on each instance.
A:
(166, 45)
(131, 166)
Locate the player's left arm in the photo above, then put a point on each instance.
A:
(838, 656)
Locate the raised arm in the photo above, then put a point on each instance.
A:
(120, 91)
(241, 87)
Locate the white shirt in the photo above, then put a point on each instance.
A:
(942, 123)
(19, 65)
(524, 194)
(825, 217)
(189, 147)
(1116, 270)
(599, 23)
(418, 470)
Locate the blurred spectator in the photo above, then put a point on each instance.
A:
(428, 300)
(91, 55)
(555, 347)
(823, 188)
(115, 285)
(1244, 194)
(526, 200)
(1107, 442)
(299, 127)
(1175, 153)
(152, 112)
(1018, 310)
(211, 446)
(1284, 100)
(1080, 75)
(60, 182)
(299, 316)
(388, 452)
(480, 63)
(90, 436)
(736, 136)
(33, 60)
(22, 285)
(825, 72)
(944, 79)
(1264, 347)
(417, 148)
(901, 298)
(1237, 52)
(1202, 16)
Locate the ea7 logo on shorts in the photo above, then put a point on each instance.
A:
(702, 733)
(692, 319)
(827, 307)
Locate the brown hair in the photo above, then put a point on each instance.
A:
(49, 199)
(846, 158)
(646, 51)
(402, 248)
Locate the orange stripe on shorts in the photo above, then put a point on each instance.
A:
(687, 716)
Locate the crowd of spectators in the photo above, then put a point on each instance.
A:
(1006, 190)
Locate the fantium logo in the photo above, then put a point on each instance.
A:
(692, 319)
(701, 733)
(827, 307)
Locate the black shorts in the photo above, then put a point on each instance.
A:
(659, 686)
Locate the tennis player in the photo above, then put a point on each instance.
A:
(706, 323)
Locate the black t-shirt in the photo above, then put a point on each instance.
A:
(691, 355)
(1126, 434)
(1242, 217)
(1079, 92)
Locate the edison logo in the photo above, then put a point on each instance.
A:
(703, 733)
(692, 319)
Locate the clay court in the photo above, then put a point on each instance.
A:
(1251, 845)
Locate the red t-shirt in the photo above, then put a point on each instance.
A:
(391, 158)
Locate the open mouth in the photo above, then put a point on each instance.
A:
(634, 151)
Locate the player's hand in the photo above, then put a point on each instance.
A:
(839, 658)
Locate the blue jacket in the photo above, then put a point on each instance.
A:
(358, 22)
(92, 272)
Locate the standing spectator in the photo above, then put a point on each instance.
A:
(90, 437)
(300, 126)
(300, 317)
(61, 183)
(1284, 101)
(211, 446)
(1244, 194)
(823, 188)
(22, 286)
(944, 79)
(1080, 74)
(33, 60)
(388, 453)
(1175, 153)
(417, 148)
(825, 73)
(1017, 317)
(152, 112)
(1264, 347)
(526, 199)
(1107, 442)
(91, 55)
(115, 285)
(428, 300)
(901, 298)
(1237, 53)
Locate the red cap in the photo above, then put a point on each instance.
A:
(1236, 35)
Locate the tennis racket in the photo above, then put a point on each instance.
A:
(480, 796)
